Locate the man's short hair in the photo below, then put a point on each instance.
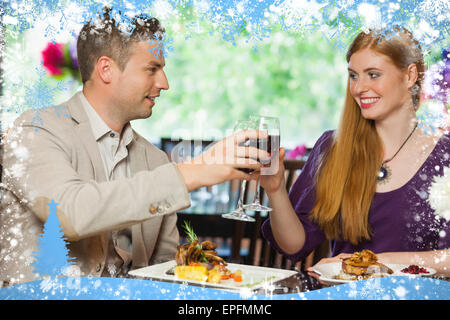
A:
(107, 37)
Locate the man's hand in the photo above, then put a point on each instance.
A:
(223, 160)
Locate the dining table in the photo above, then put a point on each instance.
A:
(299, 286)
(299, 281)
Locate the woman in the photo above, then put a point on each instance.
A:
(365, 185)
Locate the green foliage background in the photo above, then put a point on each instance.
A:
(298, 76)
(300, 79)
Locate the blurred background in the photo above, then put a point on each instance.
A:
(218, 74)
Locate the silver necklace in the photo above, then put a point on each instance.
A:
(385, 171)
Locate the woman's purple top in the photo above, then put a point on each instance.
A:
(401, 220)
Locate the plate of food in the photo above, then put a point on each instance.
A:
(197, 263)
(364, 265)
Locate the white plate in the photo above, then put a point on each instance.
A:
(328, 271)
(253, 277)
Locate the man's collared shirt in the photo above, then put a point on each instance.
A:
(112, 147)
(114, 152)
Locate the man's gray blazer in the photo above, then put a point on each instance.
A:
(51, 154)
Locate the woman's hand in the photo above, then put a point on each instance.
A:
(273, 183)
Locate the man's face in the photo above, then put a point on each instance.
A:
(138, 85)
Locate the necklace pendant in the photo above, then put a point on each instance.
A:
(384, 173)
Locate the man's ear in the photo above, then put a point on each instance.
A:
(104, 68)
(412, 75)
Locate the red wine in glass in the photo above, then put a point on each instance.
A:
(270, 145)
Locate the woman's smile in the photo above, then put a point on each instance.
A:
(368, 102)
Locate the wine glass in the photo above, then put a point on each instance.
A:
(271, 144)
(239, 213)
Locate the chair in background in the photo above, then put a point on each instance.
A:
(209, 225)
(238, 242)
(260, 252)
(204, 214)
(180, 150)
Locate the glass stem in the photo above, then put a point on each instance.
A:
(256, 200)
(241, 195)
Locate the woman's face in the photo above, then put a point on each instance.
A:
(378, 86)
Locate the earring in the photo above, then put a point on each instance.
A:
(415, 89)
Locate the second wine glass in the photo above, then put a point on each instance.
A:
(271, 144)
(239, 212)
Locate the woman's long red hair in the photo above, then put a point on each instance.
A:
(346, 180)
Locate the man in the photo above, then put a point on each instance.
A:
(117, 193)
